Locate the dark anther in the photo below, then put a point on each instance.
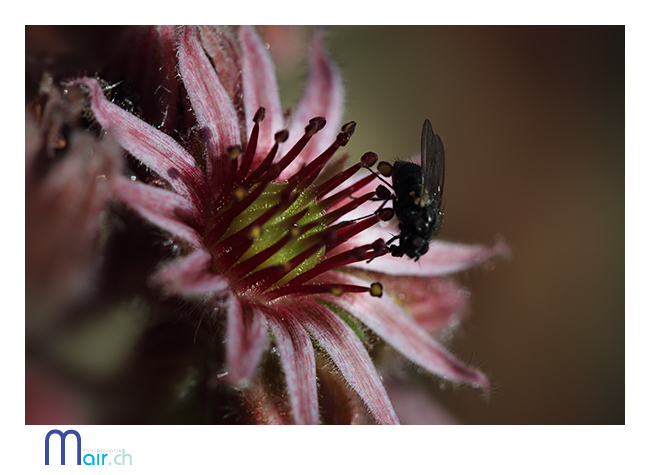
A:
(342, 139)
(321, 122)
(282, 136)
(349, 128)
(385, 168)
(359, 253)
(259, 115)
(315, 124)
(382, 192)
(376, 289)
(379, 245)
(369, 159)
(386, 214)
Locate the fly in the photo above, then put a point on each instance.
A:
(416, 196)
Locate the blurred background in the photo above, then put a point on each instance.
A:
(532, 119)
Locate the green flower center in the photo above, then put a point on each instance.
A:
(279, 225)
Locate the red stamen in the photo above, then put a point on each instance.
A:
(336, 180)
(231, 249)
(357, 254)
(335, 289)
(249, 265)
(229, 182)
(223, 221)
(262, 168)
(337, 164)
(251, 147)
(311, 171)
(355, 229)
(265, 278)
(315, 125)
(345, 209)
(314, 167)
(332, 200)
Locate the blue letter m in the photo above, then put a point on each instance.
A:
(63, 435)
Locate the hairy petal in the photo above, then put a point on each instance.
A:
(443, 257)
(221, 44)
(247, 338)
(436, 303)
(191, 276)
(395, 326)
(298, 362)
(260, 89)
(163, 208)
(347, 351)
(149, 145)
(213, 108)
(322, 98)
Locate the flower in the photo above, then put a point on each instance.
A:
(258, 213)
(69, 177)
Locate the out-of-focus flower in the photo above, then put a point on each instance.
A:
(68, 181)
(257, 211)
(288, 44)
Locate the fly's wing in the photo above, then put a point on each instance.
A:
(433, 165)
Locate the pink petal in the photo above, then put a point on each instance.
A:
(163, 208)
(191, 276)
(212, 105)
(221, 44)
(346, 350)
(322, 98)
(395, 326)
(299, 365)
(443, 257)
(286, 43)
(436, 303)
(247, 338)
(152, 147)
(260, 89)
